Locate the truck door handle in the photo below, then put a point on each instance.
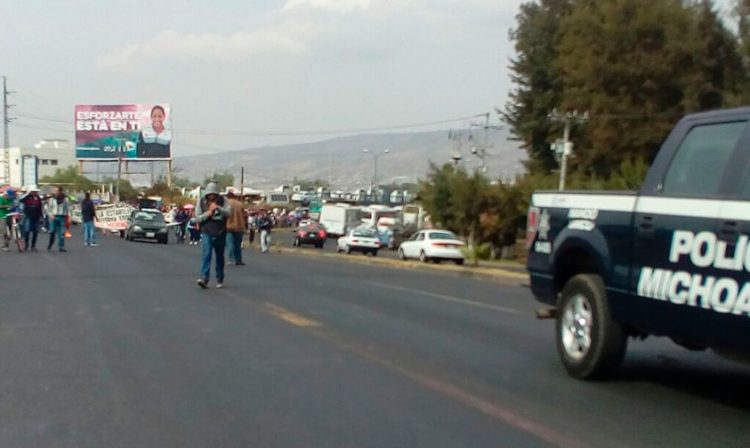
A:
(646, 224)
(729, 231)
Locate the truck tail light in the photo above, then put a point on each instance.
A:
(532, 226)
(322, 234)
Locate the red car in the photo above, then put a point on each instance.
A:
(313, 234)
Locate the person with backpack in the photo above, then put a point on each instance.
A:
(212, 213)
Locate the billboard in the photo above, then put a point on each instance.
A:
(132, 131)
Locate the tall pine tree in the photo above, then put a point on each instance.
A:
(538, 85)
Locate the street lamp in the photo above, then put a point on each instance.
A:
(375, 157)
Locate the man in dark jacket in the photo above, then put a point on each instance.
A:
(88, 216)
(212, 213)
(33, 209)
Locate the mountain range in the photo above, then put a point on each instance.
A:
(342, 162)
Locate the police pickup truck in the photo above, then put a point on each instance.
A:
(670, 260)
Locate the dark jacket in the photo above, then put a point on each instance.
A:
(88, 210)
(33, 207)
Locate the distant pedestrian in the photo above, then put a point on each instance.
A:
(6, 206)
(251, 228)
(88, 216)
(33, 210)
(235, 229)
(192, 227)
(181, 219)
(58, 209)
(212, 213)
(264, 225)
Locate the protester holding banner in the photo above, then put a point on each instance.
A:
(212, 214)
(58, 209)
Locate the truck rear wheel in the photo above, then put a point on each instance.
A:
(591, 345)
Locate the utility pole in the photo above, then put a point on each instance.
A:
(564, 148)
(6, 131)
(242, 183)
(482, 152)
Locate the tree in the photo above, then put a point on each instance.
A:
(742, 12)
(70, 179)
(309, 185)
(223, 180)
(127, 192)
(538, 81)
(456, 200)
(638, 66)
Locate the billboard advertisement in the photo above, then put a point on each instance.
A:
(133, 131)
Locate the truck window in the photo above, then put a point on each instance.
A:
(697, 168)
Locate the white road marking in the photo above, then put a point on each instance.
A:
(446, 298)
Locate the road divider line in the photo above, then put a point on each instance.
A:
(288, 316)
(446, 298)
(429, 382)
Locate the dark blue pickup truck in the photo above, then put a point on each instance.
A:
(670, 260)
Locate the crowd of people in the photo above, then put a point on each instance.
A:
(31, 212)
(217, 223)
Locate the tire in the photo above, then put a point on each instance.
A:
(347, 250)
(295, 242)
(591, 345)
(437, 261)
(422, 257)
(401, 254)
(374, 253)
(319, 245)
(459, 262)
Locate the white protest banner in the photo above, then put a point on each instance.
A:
(113, 216)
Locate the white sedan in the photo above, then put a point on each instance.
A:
(359, 240)
(433, 245)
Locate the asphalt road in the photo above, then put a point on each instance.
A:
(115, 346)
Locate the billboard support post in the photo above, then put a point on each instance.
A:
(169, 173)
(119, 178)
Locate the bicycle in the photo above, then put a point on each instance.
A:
(14, 230)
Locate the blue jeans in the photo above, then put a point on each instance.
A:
(57, 226)
(30, 229)
(89, 232)
(234, 240)
(213, 244)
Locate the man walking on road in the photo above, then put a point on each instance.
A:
(33, 209)
(236, 230)
(264, 225)
(58, 209)
(88, 216)
(212, 213)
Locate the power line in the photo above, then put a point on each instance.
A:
(259, 133)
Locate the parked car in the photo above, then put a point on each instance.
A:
(147, 225)
(433, 245)
(312, 234)
(359, 240)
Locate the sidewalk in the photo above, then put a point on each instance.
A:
(505, 271)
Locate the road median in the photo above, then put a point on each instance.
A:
(494, 273)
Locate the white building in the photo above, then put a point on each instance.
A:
(52, 154)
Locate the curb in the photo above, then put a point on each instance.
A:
(479, 272)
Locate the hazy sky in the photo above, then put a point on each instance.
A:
(256, 66)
